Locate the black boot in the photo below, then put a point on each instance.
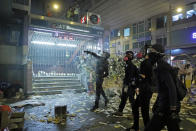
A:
(134, 128)
(106, 102)
(94, 108)
(118, 113)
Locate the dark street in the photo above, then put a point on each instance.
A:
(40, 114)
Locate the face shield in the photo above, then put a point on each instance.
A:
(151, 50)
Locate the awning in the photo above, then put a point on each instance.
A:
(180, 51)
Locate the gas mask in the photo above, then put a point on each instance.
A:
(153, 57)
(125, 58)
(128, 57)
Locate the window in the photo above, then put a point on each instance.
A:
(119, 33)
(177, 17)
(148, 25)
(113, 44)
(162, 41)
(161, 22)
(141, 44)
(135, 45)
(134, 36)
(147, 34)
(141, 35)
(134, 29)
(126, 47)
(127, 32)
(14, 36)
(114, 33)
(141, 27)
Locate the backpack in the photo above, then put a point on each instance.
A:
(180, 87)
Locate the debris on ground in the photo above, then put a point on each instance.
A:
(79, 111)
(32, 103)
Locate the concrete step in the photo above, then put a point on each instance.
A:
(56, 88)
(55, 80)
(48, 85)
(53, 92)
(56, 84)
(55, 77)
(47, 92)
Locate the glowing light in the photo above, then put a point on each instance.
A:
(44, 33)
(194, 35)
(71, 22)
(98, 48)
(172, 57)
(177, 17)
(56, 6)
(67, 45)
(50, 43)
(176, 50)
(179, 9)
(42, 17)
(42, 43)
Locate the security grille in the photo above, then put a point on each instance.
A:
(53, 54)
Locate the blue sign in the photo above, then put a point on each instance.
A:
(194, 35)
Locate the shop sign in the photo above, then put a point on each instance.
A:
(194, 35)
(67, 27)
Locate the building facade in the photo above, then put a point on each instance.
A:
(172, 31)
(13, 42)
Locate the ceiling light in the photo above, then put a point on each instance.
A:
(179, 9)
(56, 6)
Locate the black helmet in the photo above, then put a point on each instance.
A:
(129, 51)
(156, 48)
(155, 53)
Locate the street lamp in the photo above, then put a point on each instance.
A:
(56, 6)
(169, 25)
(179, 9)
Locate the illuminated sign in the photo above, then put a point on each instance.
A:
(67, 27)
(75, 29)
(83, 20)
(194, 35)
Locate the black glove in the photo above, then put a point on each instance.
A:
(86, 51)
(174, 114)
